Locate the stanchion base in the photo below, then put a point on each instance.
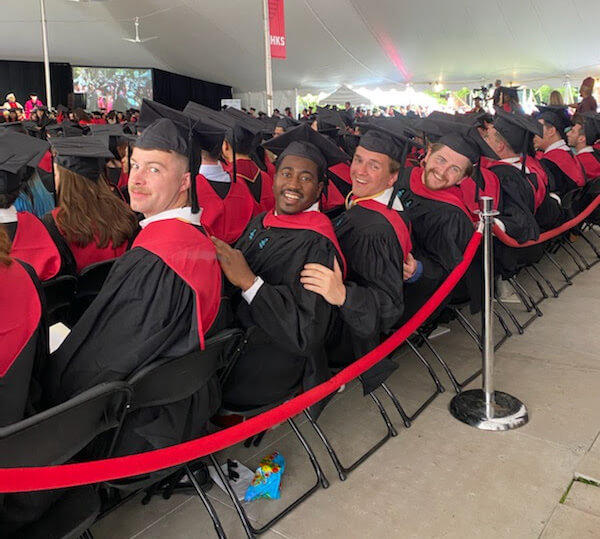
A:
(469, 407)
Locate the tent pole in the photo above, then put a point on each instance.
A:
(46, 61)
(268, 64)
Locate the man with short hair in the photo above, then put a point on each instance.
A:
(286, 323)
(564, 171)
(376, 242)
(161, 299)
(582, 137)
(525, 199)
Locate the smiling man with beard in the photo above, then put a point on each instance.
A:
(287, 324)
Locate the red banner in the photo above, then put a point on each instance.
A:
(277, 29)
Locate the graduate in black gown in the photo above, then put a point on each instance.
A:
(24, 348)
(375, 239)
(287, 324)
(161, 299)
(524, 186)
(565, 173)
(31, 241)
(442, 223)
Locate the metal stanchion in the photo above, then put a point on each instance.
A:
(486, 408)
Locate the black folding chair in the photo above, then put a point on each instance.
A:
(59, 293)
(321, 480)
(89, 283)
(54, 437)
(171, 380)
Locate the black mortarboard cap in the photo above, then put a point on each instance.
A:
(83, 155)
(17, 152)
(287, 123)
(383, 138)
(555, 115)
(302, 141)
(63, 109)
(115, 134)
(172, 130)
(66, 129)
(517, 129)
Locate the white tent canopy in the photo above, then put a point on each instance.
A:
(329, 42)
(343, 95)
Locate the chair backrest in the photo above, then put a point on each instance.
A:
(55, 435)
(92, 278)
(59, 293)
(173, 379)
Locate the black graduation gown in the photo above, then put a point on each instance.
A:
(375, 290)
(288, 324)
(441, 231)
(144, 312)
(565, 173)
(24, 350)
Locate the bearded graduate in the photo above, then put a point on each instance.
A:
(288, 324)
(161, 299)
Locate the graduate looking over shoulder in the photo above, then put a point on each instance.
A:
(288, 324)
(161, 299)
(375, 239)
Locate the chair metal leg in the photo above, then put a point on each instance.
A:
(206, 502)
(468, 327)
(518, 286)
(342, 470)
(311, 454)
(563, 245)
(438, 384)
(455, 383)
(232, 496)
(568, 243)
(590, 243)
(511, 315)
(537, 282)
(549, 284)
(507, 331)
(555, 263)
(321, 482)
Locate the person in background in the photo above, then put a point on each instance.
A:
(32, 103)
(94, 224)
(587, 103)
(556, 98)
(11, 103)
(582, 137)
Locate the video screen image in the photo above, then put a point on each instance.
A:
(113, 88)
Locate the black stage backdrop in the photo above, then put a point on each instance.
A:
(176, 90)
(173, 90)
(21, 78)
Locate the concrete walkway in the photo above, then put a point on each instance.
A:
(440, 478)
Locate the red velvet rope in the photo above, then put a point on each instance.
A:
(70, 475)
(549, 234)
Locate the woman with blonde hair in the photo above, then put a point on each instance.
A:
(95, 224)
(556, 98)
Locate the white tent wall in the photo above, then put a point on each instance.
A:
(281, 99)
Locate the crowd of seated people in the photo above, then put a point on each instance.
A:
(314, 237)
